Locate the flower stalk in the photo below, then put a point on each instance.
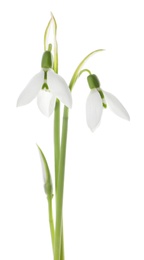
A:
(60, 187)
(51, 220)
(56, 140)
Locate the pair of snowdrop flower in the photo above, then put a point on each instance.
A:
(48, 86)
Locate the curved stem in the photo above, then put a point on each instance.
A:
(84, 70)
(58, 255)
(76, 73)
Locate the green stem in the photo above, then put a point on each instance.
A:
(84, 70)
(51, 223)
(60, 188)
(57, 140)
(62, 243)
(57, 157)
(58, 239)
(57, 128)
(76, 73)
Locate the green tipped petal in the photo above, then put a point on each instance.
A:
(46, 102)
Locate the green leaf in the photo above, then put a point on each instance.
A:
(46, 33)
(76, 73)
(46, 174)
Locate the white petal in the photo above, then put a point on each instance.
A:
(31, 90)
(46, 102)
(59, 88)
(116, 106)
(94, 109)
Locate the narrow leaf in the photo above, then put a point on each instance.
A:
(46, 34)
(46, 174)
(55, 65)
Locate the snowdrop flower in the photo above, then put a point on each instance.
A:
(47, 86)
(99, 99)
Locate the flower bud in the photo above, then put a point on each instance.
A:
(93, 81)
(46, 62)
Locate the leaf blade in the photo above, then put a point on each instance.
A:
(46, 174)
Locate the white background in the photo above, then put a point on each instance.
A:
(104, 184)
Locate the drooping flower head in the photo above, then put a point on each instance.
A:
(47, 86)
(97, 100)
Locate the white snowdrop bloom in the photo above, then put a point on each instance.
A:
(47, 86)
(98, 100)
